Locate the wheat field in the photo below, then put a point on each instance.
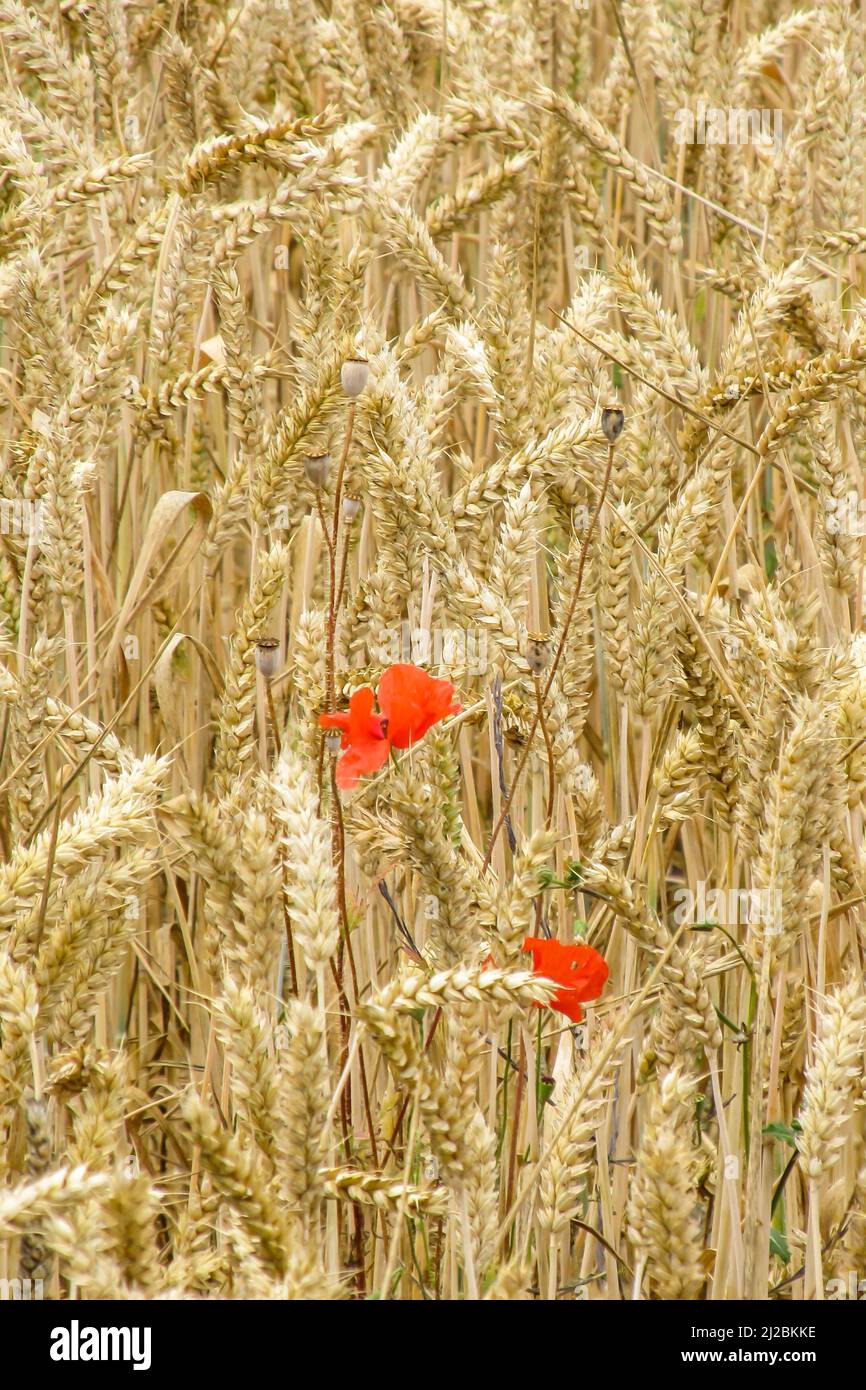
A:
(502, 362)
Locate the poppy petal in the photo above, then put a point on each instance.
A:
(360, 759)
(579, 970)
(413, 701)
(364, 742)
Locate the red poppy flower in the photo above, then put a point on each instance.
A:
(579, 971)
(412, 702)
(366, 746)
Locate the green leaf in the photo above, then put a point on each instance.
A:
(727, 1022)
(574, 874)
(545, 1091)
(787, 1133)
(779, 1246)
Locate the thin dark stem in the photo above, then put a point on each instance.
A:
(360, 1275)
(338, 838)
(338, 831)
(339, 850)
(333, 602)
(337, 856)
(515, 1126)
(340, 857)
(401, 925)
(405, 1104)
(344, 1052)
(365, 1092)
(499, 745)
(551, 773)
(343, 567)
(341, 468)
(326, 532)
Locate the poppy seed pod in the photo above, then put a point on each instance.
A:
(351, 507)
(537, 652)
(267, 657)
(353, 375)
(612, 421)
(317, 468)
(333, 739)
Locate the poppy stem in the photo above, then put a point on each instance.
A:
(346, 1117)
(551, 773)
(323, 521)
(341, 468)
(342, 583)
(563, 637)
(515, 1124)
(338, 834)
(337, 858)
(333, 597)
(339, 852)
(505, 1078)
(405, 1103)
